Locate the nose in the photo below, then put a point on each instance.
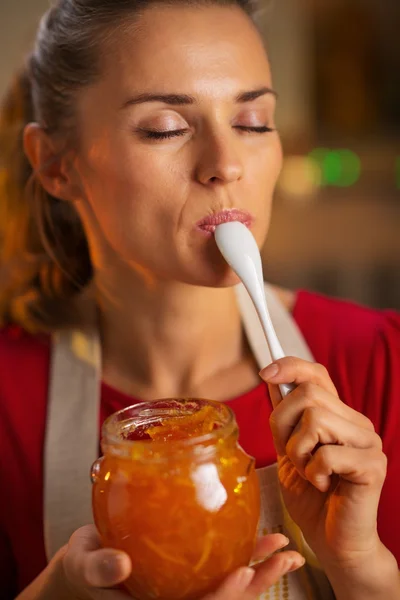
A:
(219, 161)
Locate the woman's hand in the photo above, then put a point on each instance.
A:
(88, 567)
(83, 570)
(331, 470)
(249, 583)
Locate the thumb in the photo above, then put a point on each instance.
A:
(87, 565)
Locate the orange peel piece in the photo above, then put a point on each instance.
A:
(180, 428)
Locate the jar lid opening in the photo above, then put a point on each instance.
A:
(169, 425)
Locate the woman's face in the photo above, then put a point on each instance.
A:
(177, 130)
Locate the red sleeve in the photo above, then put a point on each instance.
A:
(24, 371)
(8, 575)
(361, 349)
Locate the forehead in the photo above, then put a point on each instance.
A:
(179, 47)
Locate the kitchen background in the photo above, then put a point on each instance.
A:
(336, 66)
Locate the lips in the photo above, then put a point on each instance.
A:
(209, 223)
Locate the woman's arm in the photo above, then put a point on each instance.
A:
(374, 577)
(331, 470)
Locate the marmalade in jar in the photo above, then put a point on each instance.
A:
(175, 491)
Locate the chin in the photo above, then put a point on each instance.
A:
(229, 279)
(215, 276)
(207, 268)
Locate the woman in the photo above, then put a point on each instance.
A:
(146, 124)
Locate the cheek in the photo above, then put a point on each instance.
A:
(147, 178)
(120, 181)
(133, 198)
(264, 169)
(273, 161)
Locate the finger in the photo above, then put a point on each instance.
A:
(234, 587)
(295, 370)
(269, 572)
(269, 544)
(363, 468)
(248, 584)
(287, 414)
(319, 426)
(86, 564)
(275, 395)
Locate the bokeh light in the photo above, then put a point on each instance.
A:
(340, 168)
(300, 178)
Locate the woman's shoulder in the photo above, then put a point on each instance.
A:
(360, 346)
(24, 357)
(16, 341)
(24, 376)
(333, 324)
(318, 315)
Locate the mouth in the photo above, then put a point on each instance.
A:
(209, 223)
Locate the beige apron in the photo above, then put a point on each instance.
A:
(72, 444)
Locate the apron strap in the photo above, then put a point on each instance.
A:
(73, 417)
(290, 336)
(72, 441)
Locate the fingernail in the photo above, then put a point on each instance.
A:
(111, 567)
(245, 577)
(269, 372)
(295, 564)
(285, 542)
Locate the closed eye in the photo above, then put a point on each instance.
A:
(153, 134)
(260, 129)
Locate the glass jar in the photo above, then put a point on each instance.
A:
(177, 493)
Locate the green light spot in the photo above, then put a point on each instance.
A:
(340, 168)
(351, 168)
(332, 168)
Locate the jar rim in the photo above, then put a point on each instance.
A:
(114, 424)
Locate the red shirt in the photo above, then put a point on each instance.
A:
(360, 348)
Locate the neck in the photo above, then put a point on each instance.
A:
(164, 339)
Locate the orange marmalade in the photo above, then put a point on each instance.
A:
(177, 493)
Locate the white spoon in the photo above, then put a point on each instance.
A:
(239, 248)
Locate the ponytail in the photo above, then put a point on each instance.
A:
(44, 257)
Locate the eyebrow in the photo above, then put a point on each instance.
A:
(184, 99)
(254, 94)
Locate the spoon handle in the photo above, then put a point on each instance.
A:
(274, 345)
(286, 388)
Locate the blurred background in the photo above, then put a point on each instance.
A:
(336, 67)
(336, 220)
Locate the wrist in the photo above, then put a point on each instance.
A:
(50, 584)
(370, 575)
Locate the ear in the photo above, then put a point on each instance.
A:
(51, 166)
